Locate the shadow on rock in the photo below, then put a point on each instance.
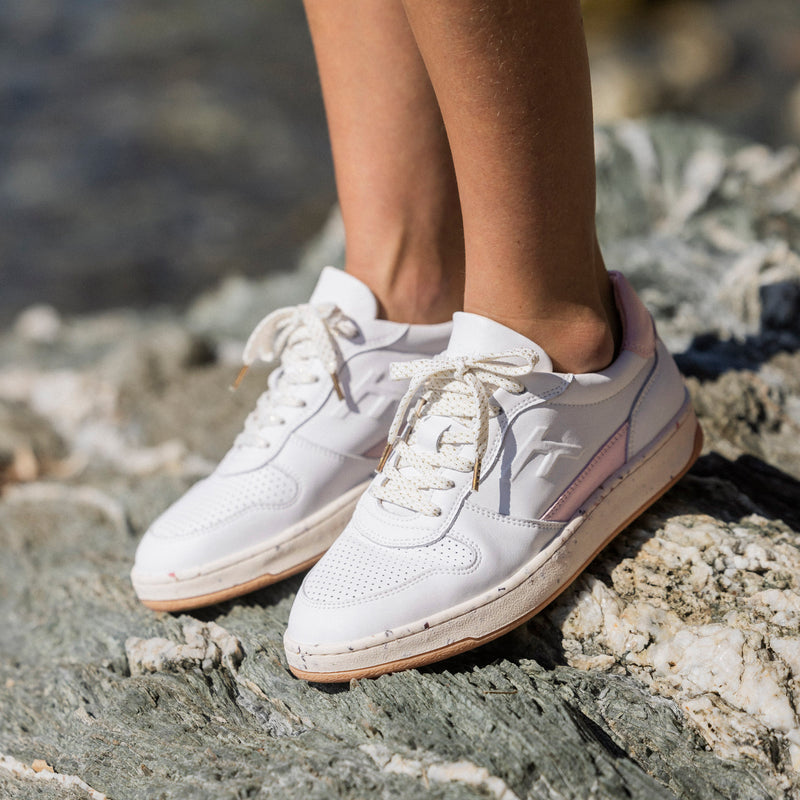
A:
(709, 355)
(773, 493)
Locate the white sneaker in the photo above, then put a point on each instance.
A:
(503, 483)
(289, 484)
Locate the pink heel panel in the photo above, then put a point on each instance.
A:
(638, 331)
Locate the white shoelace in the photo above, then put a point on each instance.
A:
(458, 387)
(295, 336)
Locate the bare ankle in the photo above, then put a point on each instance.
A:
(424, 287)
(587, 348)
(421, 301)
(576, 342)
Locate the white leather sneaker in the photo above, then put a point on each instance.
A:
(501, 485)
(289, 484)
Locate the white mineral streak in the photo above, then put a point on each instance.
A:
(757, 266)
(703, 174)
(20, 770)
(40, 324)
(697, 616)
(207, 645)
(83, 409)
(762, 165)
(432, 769)
(633, 135)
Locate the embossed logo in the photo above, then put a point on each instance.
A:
(534, 445)
(370, 393)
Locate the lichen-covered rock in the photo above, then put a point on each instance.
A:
(671, 668)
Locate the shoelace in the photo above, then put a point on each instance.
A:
(458, 387)
(294, 336)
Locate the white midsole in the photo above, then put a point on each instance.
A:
(536, 582)
(296, 545)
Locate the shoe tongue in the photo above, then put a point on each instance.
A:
(474, 335)
(350, 294)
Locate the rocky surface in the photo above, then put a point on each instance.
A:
(671, 668)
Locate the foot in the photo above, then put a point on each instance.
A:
(289, 484)
(501, 485)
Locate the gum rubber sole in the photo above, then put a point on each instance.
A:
(689, 437)
(294, 550)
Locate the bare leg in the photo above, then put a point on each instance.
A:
(512, 82)
(394, 173)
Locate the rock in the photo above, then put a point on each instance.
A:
(691, 611)
(671, 668)
(45, 780)
(696, 228)
(709, 61)
(40, 323)
(29, 447)
(207, 646)
(793, 109)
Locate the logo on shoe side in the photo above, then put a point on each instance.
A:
(534, 445)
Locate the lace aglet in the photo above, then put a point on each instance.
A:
(337, 386)
(384, 456)
(476, 475)
(242, 372)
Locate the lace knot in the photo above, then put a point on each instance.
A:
(458, 387)
(294, 336)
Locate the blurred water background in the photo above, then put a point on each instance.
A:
(148, 149)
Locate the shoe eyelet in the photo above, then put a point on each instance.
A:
(437, 512)
(451, 484)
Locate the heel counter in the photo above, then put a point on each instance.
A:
(661, 398)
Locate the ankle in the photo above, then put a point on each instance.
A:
(587, 346)
(414, 290)
(420, 301)
(578, 340)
